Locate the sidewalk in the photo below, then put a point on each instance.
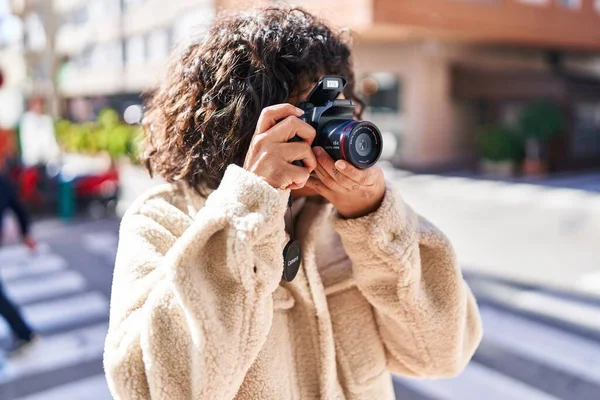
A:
(588, 181)
(529, 233)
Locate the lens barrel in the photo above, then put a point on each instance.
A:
(357, 142)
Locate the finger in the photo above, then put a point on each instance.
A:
(319, 187)
(298, 175)
(328, 180)
(270, 115)
(290, 127)
(294, 151)
(327, 163)
(363, 177)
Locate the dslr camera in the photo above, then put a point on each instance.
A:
(342, 137)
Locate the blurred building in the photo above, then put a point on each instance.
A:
(431, 70)
(38, 30)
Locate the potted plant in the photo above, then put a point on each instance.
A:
(500, 148)
(539, 123)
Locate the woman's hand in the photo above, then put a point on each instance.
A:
(270, 156)
(353, 192)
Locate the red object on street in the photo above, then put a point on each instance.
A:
(29, 179)
(102, 185)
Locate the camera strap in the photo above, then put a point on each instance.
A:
(292, 253)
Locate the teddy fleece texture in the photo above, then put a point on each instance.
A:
(199, 310)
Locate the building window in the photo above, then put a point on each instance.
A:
(135, 52)
(130, 3)
(113, 6)
(193, 25)
(80, 15)
(97, 8)
(586, 138)
(381, 92)
(158, 45)
(572, 4)
(35, 33)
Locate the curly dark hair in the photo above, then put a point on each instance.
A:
(203, 116)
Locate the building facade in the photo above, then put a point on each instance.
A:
(417, 62)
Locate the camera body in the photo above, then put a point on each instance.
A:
(342, 137)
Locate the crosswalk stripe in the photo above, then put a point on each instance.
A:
(564, 351)
(565, 310)
(15, 254)
(55, 352)
(62, 283)
(93, 388)
(62, 312)
(100, 242)
(30, 266)
(475, 383)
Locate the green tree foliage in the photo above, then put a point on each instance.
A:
(107, 134)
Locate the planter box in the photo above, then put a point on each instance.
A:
(497, 169)
(534, 168)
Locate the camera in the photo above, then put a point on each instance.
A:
(342, 137)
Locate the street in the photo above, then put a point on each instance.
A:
(64, 292)
(539, 342)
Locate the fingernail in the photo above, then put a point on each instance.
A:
(340, 165)
(318, 151)
(299, 111)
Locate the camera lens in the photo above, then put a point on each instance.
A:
(363, 144)
(359, 143)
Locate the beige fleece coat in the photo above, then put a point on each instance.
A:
(199, 310)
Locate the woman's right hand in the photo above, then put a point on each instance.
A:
(270, 155)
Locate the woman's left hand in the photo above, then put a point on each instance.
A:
(353, 192)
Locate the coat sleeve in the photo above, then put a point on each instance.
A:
(191, 300)
(407, 270)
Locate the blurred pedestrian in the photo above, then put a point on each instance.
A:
(39, 148)
(199, 309)
(37, 135)
(23, 334)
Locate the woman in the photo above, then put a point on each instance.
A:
(199, 309)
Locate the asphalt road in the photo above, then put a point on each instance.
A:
(538, 343)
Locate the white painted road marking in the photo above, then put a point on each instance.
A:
(62, 283)
(55, 352)
(93, 388)
(570, 353)
(32, 265)
(476, 383)
(65, 311)
(572, 311)
(15, 254)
